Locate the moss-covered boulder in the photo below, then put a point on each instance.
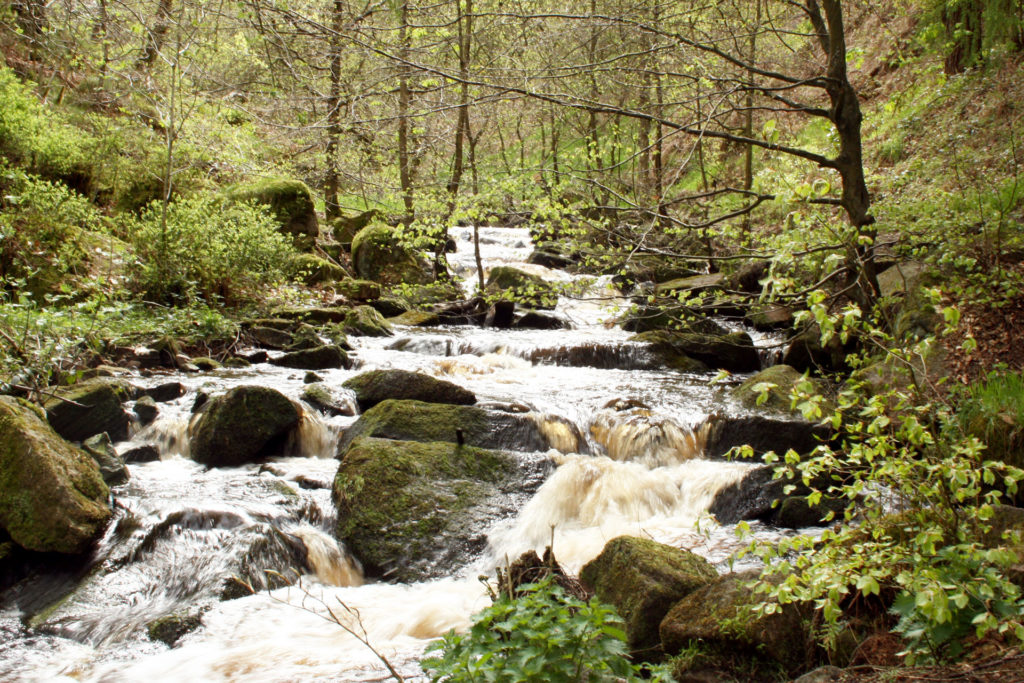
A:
(717, 618)
(779, 501)
(782, 379)
(511, 283)
(378, 255)
(375, 386)
(290, 201)
(806, 352)
(734, 351)
(345, 228)
(314, 270)
(89, 408)
(52, 497)
(323, 357)
(412, 511)
(244, 425)
(323, 398)
(771, 317)
(111, 464)
(416, 319)
(358, 290)
(643, 579)
(429, 422)
(146, 410)
(365, 321)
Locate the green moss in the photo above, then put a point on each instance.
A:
(782, 376)
(379, 385)
(289, 200)
(505, 282)
(401, 504)
(379, 255)
(314, 270)
(364, 321)
(415, 319)
(238, 426)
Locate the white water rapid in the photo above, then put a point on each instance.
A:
(186, 537)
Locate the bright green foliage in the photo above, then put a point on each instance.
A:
(543, 635)
(994, 413)
(209, 247)
(970, 31)
(900, 449)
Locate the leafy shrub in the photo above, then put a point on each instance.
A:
(41, 229)
(994, 413)
(543, 635)
(207, 246)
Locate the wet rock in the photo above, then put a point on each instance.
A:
(170, 629)
(514, 284)
(52, 497)
(412, 511)
(321, 397)
(550, 258)
(643, 580)
(390, 306)
(532, 320)
(759, 495)
(378, 255)
(365, 321)
(311, 378)
(762, 434)
(271, 338)
(772, 317)
(806, 352)
(795, 512)
(146, 452)
(206, 364)
(112, 467)
(165, 392)
(243, 425)
(734, 352)
(431, 422)
(316, 315)
(717, 616)
(416, 319)
(379, 385)
(89, 408)
(747, 278)
(237, 363)
(145, 409)
(290, 201)
(322, 357)
(500, 315)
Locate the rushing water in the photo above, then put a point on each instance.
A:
(185, 537)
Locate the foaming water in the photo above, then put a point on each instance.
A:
(590, 500)
(640, 436)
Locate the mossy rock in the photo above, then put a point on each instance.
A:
(206, 364)
(314, 270)
(290, 201)
(345, 228)
(244, 425)
(358, 290)
(806, 352)
(376, 386)
(324, 357)
(170, 629)
(785, 379)
(510, 283)
(762, 433)
(317, 315)
(365, 321)
(111, 465)
(89, 408)
(52, 496)
(321, 397)
(643, 579)
(146, 410)
(771, 317)
(411, 511)
(378, 255)
(694, 284)
(734, 351)
(408, 420)
(416, 319)
(718, 616)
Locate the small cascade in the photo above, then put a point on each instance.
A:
(590, 500)
(169, 434)
(312, 438)
(561, 434)
(637, 435)
(330, 562)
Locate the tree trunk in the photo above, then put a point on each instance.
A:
(331, 182)
(161, 23)
(404, 167)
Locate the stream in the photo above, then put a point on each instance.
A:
(184, 534)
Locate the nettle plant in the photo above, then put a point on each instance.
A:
(543, 634)
(921, 533)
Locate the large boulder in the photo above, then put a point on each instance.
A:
(718, 618)
(375, 386)
(244, 425)
(345, 228)
(52, 497)
(432, 422)
(733, 351)
(783, 379)
(290, 201)
(365, 321)
(806, 352)
(112, 467)
(693, 285)
(89, 408)
(643, 579)
(511, 283)
(411, 511)
(314, 270)
(378, 255)
(762, 434)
